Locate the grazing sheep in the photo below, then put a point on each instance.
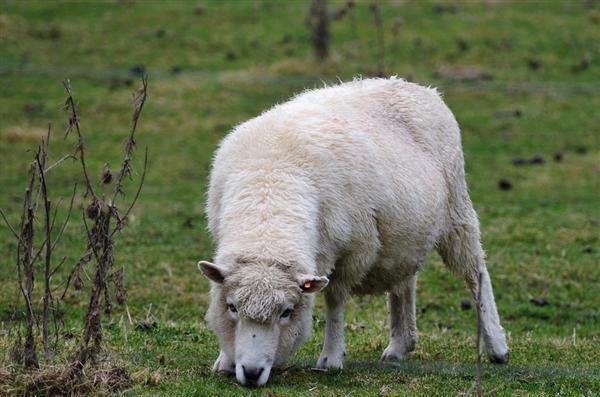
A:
(346, 187)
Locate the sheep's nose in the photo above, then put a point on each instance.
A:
(252, 374)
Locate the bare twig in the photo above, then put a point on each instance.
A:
(121, 221)
(74, 124)
(62, 262)
(68, 217)
(41, 158)
(139, 99)
(85, 258)
(59, 162)
(102, 247)
(12, 229)
(27, 276)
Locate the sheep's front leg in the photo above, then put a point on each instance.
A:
(332, 355)
(224, 364)
(403, 324)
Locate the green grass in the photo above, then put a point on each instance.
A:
(239, 58)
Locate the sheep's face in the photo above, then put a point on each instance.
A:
(261, 314)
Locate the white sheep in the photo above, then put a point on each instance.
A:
(346, 187)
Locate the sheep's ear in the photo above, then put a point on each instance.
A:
(310, 283)
(212, 272)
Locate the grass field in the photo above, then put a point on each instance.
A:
(213, 64)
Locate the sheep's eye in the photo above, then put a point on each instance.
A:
(286, 313)
(231, 308)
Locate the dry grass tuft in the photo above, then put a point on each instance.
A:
(23, 134)
(62, 381)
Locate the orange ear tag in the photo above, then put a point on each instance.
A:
(307, 284)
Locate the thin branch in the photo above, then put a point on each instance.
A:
(74, 123)
(41, 157)
(139, 99)
(9, 225)
(85, 258)
(66, 222)
(43, 245)
(59, 161)
(121, 223)
(90, 238)
(62, 262)
(26, 263)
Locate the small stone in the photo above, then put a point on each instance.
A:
(534, 64)
(558, 157)
(539, 301)
(504, 184)
(537, 159)
(518, 161)
(466, 304)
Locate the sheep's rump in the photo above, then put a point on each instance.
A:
(367, 167)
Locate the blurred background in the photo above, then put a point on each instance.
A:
(522, 79)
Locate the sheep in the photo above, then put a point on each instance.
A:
(344, 189)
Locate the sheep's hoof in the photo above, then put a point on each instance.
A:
(398, 349)
(499, 358)
(393, 354)
(330, 361)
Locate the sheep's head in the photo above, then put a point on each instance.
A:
(261, 312)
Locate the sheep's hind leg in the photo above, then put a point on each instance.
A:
(403, 324)
(332, 355)
(461, 251)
